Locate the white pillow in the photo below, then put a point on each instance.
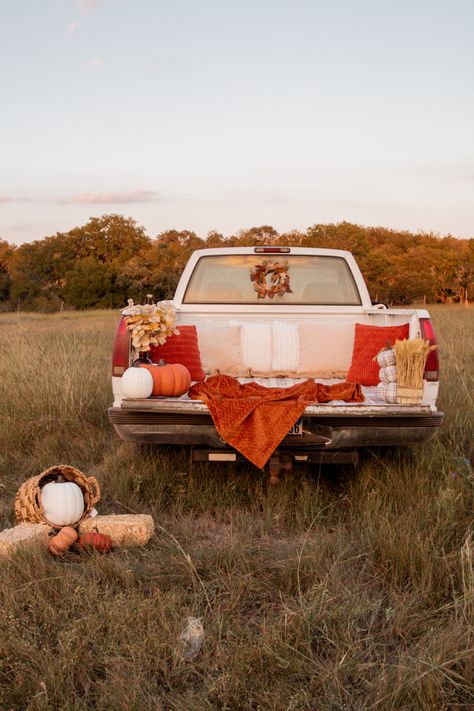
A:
(256, 343)
(220, 350)
(286, 347)
(325, 349)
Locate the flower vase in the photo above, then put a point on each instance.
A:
(143, 359)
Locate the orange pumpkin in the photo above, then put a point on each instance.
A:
(63, 540)
(169, 380)
(99, 541)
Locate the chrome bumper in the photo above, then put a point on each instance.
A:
(330, 432)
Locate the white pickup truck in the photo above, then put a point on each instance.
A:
(322, 287)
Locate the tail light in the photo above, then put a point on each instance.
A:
(432, 362)
(121, 350)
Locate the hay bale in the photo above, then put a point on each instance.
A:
(24, 535)
(124, 529)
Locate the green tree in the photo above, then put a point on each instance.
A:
(6, 254)
(37, 272)
(216, 239)
(38, 269)
(156, 268)
(257, 236)
(92, 284)
(110, 239)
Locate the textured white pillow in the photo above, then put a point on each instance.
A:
(286, 347)
(256, 341)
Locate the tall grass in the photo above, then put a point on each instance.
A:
(332, 591)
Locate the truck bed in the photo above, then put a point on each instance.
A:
(372, 402)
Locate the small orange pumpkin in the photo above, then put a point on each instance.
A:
(63, 540)
(169, 380)
(96, 541)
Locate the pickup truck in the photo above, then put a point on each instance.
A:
(324, 287)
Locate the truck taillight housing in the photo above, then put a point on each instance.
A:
(121, 350)
(432, 362)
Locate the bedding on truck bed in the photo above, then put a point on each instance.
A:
(370, 393)
(255, 418)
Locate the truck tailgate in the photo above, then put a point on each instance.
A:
(181, 406)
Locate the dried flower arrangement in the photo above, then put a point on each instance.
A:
(150, 324)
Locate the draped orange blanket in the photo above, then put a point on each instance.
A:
(254, 419)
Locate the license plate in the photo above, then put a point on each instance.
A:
(297, 428)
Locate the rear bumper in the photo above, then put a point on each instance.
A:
(328, 432)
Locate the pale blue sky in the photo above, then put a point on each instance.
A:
(228, 114)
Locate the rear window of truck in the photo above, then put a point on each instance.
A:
(252, 278)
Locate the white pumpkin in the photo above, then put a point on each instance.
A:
(386, 357)
(137, 383)
(388, 374)
(63, 502)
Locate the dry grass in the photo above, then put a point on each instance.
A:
(333, 591)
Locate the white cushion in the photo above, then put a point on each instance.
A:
(286, 347)
(220, 350)
(256, 341)
(325, 349)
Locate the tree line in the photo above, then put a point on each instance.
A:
(111, 259)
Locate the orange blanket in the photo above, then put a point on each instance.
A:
(254, 419)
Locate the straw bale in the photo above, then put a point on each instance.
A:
(124, 529)
(24, 535)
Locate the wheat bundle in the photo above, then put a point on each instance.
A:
(410, 360)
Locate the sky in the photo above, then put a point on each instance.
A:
(227, 114)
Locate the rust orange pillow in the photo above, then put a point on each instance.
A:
(368, 341)
(182, 349)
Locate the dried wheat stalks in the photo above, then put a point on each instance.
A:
(410, 359)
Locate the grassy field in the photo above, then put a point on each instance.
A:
(332, 591)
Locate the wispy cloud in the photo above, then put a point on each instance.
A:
(121, 198)
(73, 27)
(15, 198)
(87, 7)
(95, 63)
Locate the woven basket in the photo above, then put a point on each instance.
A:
(28, 505)
(409, 396)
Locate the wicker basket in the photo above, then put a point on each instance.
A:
(409, 396)
(28, 505)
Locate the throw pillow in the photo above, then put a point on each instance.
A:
(257, 345)
(286, 347)
(325, 349)
(182, 349)
(368, 341)
(220, 350)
